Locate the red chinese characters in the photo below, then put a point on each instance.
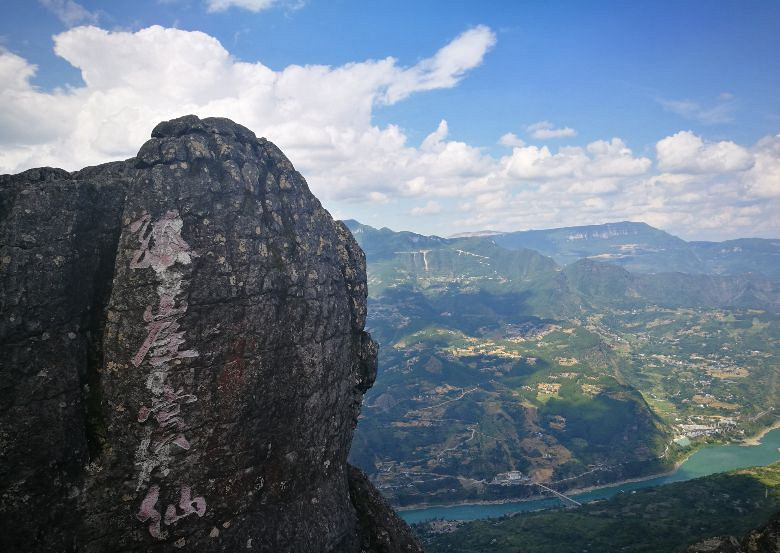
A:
(162, 351)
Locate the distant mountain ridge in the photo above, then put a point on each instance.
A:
(655, 268)
(637, 247)
(641, 248)
(476, 233)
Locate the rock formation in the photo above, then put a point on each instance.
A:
(183, 356)
(763, 540)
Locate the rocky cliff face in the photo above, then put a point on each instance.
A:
(183, 356)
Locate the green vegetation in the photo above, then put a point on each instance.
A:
(497, 361)
(662, 519)
(641, 248)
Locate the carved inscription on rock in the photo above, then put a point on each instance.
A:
(159, 358)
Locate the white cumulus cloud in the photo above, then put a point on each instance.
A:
(544, 130)
(251, 5)
(598, 159)
(686, 152)
(323, 119)
(445, 68)
(763, 179)
(708, 190)
(320, 115)
(511, 139)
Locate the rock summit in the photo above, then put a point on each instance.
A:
(183, 356)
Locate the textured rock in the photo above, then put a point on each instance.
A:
(186, 354)
(379, 528)
(763, 540)
(723, 544)
(58, 235)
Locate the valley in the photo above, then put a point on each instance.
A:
(500, 368)
(655, 520)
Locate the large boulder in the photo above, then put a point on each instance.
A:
(186, 354)
(58, 237)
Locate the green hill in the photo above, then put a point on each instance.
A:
(495, 360)
(607, 285)
(665, 519)
(635, 246)
(739, 256)
(640, 248)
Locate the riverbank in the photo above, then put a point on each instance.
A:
(700, 461)
(756, 438)
(657, 520)
(537, 497)
(568, 492)
(467, 503)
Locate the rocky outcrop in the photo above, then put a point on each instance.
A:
(763, 540)
(723, 544)
(183, 355)
(380, 529)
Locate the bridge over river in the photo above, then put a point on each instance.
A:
(709, 460)
(568, 501)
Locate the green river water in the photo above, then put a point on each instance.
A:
(709, 460)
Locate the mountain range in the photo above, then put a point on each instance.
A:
(619, 263)
(572, 356)
(638, 247)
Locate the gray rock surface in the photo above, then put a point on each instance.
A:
(762, 540)
(183, 353)
(58, 236)
(379, 528)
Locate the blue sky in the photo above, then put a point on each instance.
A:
(556, 113)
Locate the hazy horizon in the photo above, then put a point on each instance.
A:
(540, 229)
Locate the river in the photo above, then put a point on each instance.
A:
(708, 460)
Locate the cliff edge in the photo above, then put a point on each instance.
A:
(183, 356)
